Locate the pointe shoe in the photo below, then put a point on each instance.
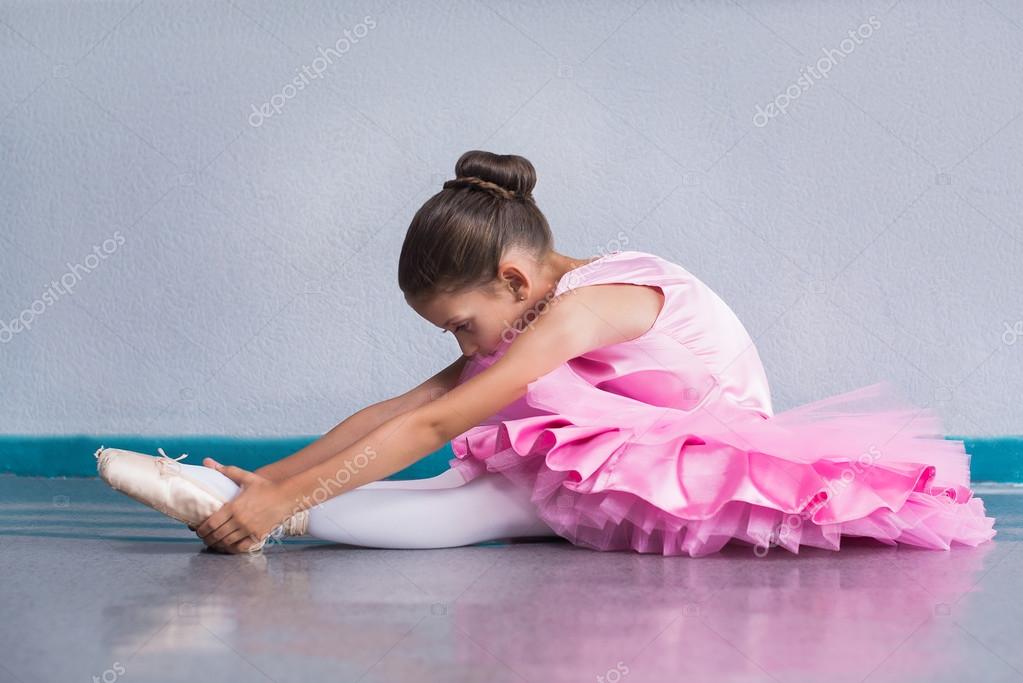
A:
(159, 483)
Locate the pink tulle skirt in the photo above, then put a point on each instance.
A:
(862, 463)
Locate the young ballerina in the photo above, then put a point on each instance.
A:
(616, 402)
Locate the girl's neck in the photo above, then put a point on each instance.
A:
(559, 265)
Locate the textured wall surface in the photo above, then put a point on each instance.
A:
(191, 243)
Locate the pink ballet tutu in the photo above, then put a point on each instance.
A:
(654, 445)
(806, 476)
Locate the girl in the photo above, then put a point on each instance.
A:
(616, 402)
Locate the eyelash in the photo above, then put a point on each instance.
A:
(457, 328)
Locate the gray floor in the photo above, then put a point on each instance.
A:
(98, 587)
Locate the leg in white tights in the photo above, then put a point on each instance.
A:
(439, 512)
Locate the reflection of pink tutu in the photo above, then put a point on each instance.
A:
(666, 444)
(872, 613)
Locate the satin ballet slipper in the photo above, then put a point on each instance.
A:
(157, 481)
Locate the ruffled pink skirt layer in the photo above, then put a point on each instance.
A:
(863, 463)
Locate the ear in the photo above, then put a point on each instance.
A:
(514, 279)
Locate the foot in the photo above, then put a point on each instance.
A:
(159, 483)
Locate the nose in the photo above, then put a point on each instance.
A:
(469, 350)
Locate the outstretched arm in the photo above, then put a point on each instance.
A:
(586, 318)
(361, 423)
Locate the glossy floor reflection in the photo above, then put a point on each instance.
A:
(97, 587)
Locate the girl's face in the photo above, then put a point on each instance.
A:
(480, 319)
(488, 317)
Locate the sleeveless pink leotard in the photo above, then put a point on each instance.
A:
(667, 443)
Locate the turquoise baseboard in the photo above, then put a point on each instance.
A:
(72, 456)
(993, 459)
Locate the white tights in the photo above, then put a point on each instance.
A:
(439, 512)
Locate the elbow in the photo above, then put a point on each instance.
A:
(432, 427)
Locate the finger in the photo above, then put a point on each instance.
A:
(218, 535)
(236, 474)
(234, 537)
(220, 547)
(215, 520)
(212, 546)
(222, 531)
(248, 545)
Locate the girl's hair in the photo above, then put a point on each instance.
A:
(457, 238)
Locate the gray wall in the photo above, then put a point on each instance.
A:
(233, 270)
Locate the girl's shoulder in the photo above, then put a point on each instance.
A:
(631, 267)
